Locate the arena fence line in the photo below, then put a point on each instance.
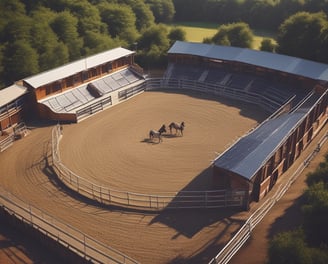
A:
(169, 200)
(240, 238)
(19, 131)
(94, 108)
(7, 142)
(261, 100)
(78, 242)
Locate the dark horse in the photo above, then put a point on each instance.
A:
(157, 134)
(177, 127)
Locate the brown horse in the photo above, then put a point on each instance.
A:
(157, 134)
(177, 127)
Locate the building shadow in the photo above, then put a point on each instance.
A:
(248, 110)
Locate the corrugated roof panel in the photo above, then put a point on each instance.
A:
(77, 66)
(279, 62)
(250, 153)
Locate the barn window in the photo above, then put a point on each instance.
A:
(57, 86)
(85, 76)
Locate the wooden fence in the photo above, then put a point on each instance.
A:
(169, 200)
(244, 233)
(79, 243)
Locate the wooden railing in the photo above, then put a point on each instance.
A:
(153, 202)
(244, 233)
(78, 242)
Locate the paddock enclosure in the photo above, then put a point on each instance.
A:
(113, 148)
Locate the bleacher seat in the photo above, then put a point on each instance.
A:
(76, 97)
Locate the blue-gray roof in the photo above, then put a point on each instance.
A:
(288, 64)
(251, 152)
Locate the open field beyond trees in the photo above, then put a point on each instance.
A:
(196, 32)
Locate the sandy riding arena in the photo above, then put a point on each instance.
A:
(112, 149)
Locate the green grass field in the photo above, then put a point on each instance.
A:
(196, 32)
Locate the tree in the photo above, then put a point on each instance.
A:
(88, 16)
(316, 214)
(289, 248)
(175, 34)
(65, 26)
(235, 34)
(144, 16)
(12, 7)
(323, 53)
(267, 45)
(17, 27)
(52, 52)
(300, 35)
(21, 61)
(154, 36)
(260, 14)
(153, 45)
(95, 42)
(120, 20)
(163, 10)
(320, 174)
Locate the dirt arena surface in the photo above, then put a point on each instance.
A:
(112, 148)
(116, 152)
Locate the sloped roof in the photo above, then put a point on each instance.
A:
(11, 93)
(284, 63)
(251, 152)
(77, 66)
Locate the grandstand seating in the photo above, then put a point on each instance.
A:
(216, 76)
(273, 95)
(79, 96)
(188, 72)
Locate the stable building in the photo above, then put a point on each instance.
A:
(292, 90)
(12, 103)
(81, 88)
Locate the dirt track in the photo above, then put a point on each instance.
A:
(112, 147)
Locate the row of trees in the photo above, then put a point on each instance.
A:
(42, 34)
(39, 35)
(307, 243)
(303, 35)
(265, 14)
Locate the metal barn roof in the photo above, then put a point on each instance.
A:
(284, 63)
(11, 93)
(77, 66)
(251, 152)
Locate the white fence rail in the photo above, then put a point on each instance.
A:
(85, 246)
(226, 254)
(7, 142)
(169, 200)
(216, 89)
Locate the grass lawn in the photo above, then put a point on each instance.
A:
(196, 32)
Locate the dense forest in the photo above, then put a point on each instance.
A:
(37, 35)
(264, 14)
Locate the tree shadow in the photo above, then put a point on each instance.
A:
(290, 220)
